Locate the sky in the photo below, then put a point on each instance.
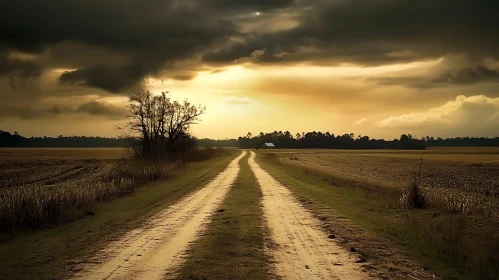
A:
(371, 67)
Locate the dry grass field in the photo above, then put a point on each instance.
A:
(457, 179)
(456, 232)
(33, 156)
(339, 200)
(57, 250)
(46, 186)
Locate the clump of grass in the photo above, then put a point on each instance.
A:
(143, 171)
(414, 197)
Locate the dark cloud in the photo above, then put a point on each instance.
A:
(15, 67)
(28, 112)
(122, 25)
(452, 76)
(111, 78)
(183, 76)
(379, 31)
(114, 44)
(412, 82)
(97, 108)
(55, 110)
(93, 108)
(150, 34)
(468, 75)
(253, 5)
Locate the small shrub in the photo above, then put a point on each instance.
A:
(414, 197)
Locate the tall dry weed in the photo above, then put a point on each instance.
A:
(33, 206)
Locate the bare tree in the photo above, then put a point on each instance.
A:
(160, 121)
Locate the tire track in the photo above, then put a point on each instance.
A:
(302, 250)
(157, 249)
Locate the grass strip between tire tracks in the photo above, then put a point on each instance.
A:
(232, 246)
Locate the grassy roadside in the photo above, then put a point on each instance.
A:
(233, 244)
(50, 253)
(425, 233)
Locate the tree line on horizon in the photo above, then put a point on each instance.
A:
(345, 141)
(278, 138)
(16, 140)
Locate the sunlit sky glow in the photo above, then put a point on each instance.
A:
(257, 66)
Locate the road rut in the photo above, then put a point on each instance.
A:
(157, 249)
(302, 250)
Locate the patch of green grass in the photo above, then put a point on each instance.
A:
(447, 244)
(47, 254)
(233, 244)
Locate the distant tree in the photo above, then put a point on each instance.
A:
(160, 122)
(249, 135)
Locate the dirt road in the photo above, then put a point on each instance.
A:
(157, 249)
(302, 250)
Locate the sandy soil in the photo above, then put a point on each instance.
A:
(300, 249)
(157, 249)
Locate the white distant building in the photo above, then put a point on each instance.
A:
(268, 146)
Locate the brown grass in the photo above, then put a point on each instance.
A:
(457, 231)
(56, 252)
(36, 205)
(44, 192)
(30, 156)
(233, 245)
(471, 187)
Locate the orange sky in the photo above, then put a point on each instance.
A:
(377, 68)
(249, 98)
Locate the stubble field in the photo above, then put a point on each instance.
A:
(347, 199)
(456, 179)
(456, 231)
(47, 186)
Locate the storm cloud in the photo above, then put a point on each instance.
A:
(21, 68)
(112, 79)
(468, 75)
(361, 58)
(153, 35)
(90, 108)
(379, 31)
(97, 108)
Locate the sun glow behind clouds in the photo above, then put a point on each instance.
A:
(348, 70)
(238, 93)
